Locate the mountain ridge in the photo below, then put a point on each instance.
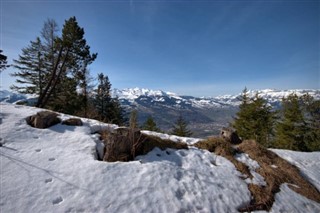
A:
(206, 116)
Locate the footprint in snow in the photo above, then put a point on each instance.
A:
(57, 200)
(48, 180)
(183, 153)
(38, 150)
(52, 159)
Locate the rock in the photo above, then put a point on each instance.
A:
(73, 122)
(230, 135)
(43, 119)
(122, 144)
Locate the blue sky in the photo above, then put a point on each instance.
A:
(200, 48)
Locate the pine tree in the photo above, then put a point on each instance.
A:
(84, 82)
(73, 53)
(263, 119)
(32, 70)
(65, 98)
(311, 112)
(292, 126)
(180, 128)
(242, 123)
(102, 99)
(3, 61)
(117, 112)
(47, 62)
(150, 125)
(133, 121)
(255, 119)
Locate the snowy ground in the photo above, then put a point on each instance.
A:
(55, 170)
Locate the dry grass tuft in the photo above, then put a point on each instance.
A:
(125, 144)
(276, 171)
(150, 142)
(221, 147)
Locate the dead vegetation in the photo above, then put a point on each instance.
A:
(275, 170)
(124, 144)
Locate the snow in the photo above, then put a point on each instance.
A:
(56, 170)
(308, 163)
(252, 165)
(174, 138)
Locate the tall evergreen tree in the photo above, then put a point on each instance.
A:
(116, 112)
(180, 128)
(108, 109)
(3, 61)
(84, 82)
(72, 53)
(242, 122)
(150, 125)
(47, 62)
(311, 112)
(292, 126)
(255, 119)
(32, 70)
(102, 99)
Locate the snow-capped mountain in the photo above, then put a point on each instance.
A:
(273, 96)
(206, 115)
(136, 96)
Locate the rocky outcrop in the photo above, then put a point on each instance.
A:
(43, 119)
(73, 122)
(230, 135)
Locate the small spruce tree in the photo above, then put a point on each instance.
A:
(255, 119)
(150, 125)
(291, 128)
(180, 128)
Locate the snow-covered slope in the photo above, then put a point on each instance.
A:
(55, 170)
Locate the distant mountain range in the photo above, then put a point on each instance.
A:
(206, 115)
(136, 96)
